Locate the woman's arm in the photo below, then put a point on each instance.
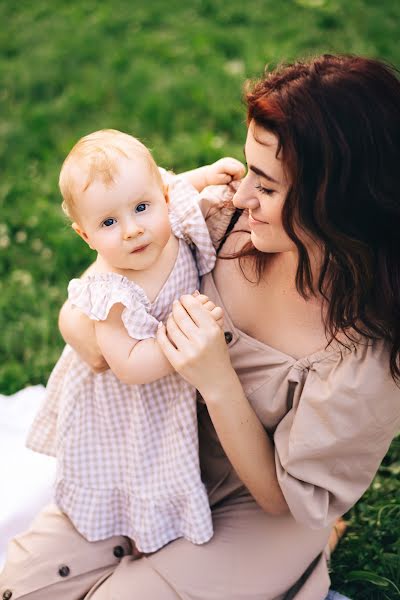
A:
(245, 442)
(199, 353)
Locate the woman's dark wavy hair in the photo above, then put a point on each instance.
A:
(337, 120)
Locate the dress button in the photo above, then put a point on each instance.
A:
(118, 552)
(7, 594)
(228, 336)
(64, 571)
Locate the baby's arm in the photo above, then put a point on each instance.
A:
(137, 361)
(132, 361)
(223, 171)
(85, 335)
(79, 333)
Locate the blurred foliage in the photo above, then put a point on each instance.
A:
(172, 74)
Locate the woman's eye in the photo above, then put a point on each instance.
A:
(108, 222)
(264, 190)
(141, 207)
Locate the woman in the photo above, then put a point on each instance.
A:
(300, 398)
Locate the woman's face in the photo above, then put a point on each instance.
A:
(263, 192)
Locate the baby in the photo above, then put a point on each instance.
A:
(126, 439)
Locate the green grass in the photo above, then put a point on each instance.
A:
(171, 73)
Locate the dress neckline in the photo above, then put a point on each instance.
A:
(139, 289)
(305, 361)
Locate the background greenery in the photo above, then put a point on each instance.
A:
(171, 73)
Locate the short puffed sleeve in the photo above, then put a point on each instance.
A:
(187, 222)
(215, 203)
(95, 295)
(330, 444)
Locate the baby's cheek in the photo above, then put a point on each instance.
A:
(164, 231)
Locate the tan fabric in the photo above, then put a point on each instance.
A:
(332, 416)
(218, 569)
(34, 559)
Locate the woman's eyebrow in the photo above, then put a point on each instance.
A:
(258, 171)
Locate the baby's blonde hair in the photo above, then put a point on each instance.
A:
(95, 155)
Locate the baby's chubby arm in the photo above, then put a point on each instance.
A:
(223, 171)
(137, 361)
(107, 344)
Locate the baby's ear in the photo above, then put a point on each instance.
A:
(81, 233)
(166, 193)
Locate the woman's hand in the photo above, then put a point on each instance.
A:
(194, 343)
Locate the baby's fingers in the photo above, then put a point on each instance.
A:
(218, 315)
(200, 297)
(233, 167)
(209, 305)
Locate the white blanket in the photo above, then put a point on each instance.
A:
(26, 477)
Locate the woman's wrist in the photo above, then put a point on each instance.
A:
(216, 392)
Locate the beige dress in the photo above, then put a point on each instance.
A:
(332, 416)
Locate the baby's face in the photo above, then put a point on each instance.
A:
(127, 223)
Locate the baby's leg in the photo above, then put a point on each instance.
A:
(52, 560)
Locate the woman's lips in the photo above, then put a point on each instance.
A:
(254, 222)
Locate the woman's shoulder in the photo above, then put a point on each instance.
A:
(355, 376)
(344, 415)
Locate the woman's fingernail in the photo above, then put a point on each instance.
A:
(196, 293)
(160, 324)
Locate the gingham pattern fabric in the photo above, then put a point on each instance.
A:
(127, 455)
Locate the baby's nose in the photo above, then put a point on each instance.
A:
(132, 230)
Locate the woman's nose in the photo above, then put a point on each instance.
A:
(244, 197)
(132, 230)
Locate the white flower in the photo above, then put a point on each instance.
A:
(234, 67)
(21, 237)
(37, 245)
(4, 241)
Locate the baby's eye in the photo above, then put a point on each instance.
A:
(141, 207)
(108, 222)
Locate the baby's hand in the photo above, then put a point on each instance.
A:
(216, 311)
(224, 170)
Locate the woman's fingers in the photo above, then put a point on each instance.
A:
(183, 319)
(175, 333)
(166, 345)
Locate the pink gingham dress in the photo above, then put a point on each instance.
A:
(127, 455)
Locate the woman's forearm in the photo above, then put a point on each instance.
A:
(246, 443)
